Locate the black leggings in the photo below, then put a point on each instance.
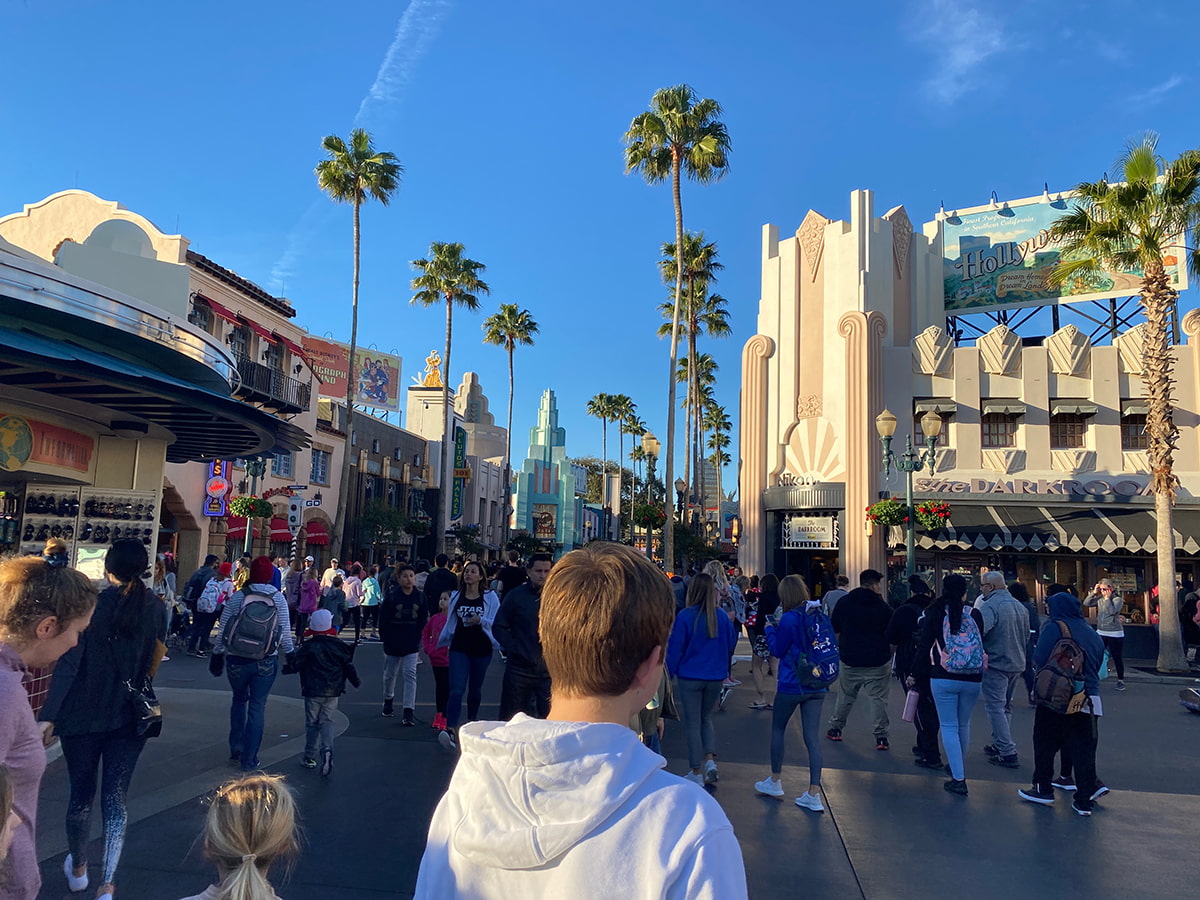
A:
(1115, 647)
(355, 613)
(441, 682)
(119, 751)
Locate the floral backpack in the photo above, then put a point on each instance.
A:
(963, 652)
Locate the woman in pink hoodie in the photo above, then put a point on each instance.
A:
(439, 658)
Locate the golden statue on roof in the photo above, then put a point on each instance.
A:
(432, 376)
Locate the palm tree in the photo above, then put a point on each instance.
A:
(1131, 226)
(700, 314)
(506, 329)
(451, 278)
(623, 409)
(703, 379)
(680, 134)
(717, 421)
(601, 407)
(354, 173)
(635, 427)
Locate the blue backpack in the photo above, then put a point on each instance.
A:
(822, 662)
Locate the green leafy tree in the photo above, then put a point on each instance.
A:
(380, 524)
(1132, 226)
(679, 135)
(354, 172)
(467, 538)
(507, 328)
(526, 544)
(449, 277)
(717, 422)
(603, 407)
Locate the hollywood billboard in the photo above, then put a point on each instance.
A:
(377, 381)
(1000, 257)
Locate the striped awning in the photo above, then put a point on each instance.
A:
(1029, 528)
(237, 528)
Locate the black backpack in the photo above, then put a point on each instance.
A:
(253, 633)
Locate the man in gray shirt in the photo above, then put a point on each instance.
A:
(1005, 629)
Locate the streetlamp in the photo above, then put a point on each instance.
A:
(908, 462)
(680, 487)
(416, 503)
(255, 468)
(651, 447)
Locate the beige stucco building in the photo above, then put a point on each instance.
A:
(1041, 456)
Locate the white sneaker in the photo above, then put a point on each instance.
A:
(769, 787)
(711, 775)
(446, 739)
(75, 884)
(808, 801)
(695, 778)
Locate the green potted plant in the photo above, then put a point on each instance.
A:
(890, 511)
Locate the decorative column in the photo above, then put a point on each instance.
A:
(864, 333)
(753, 441)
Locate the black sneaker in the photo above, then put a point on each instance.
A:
(954, 786)
(834, 734)
(1101, 790)
(918, 752)
(409, 719)
(1064, 784)
(387, 707)
(928, 763)
(308, 763)
(1082, 807)
(881, 743)
(1008, 762)
(1044, 797)
(990, 750)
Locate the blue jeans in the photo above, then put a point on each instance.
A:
(251, 681)
(466, 677)
(318, 725)
(955, 700)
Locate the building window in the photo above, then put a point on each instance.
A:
(1133, 433)
(943, 438)
(273, 355)
(375, 446)
(320, 467)
(239, 342)
(281, 465)
(1067, 431)
(999, 430)
(201, 316)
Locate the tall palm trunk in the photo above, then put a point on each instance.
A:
(620, 473)
(694, 393)
(669, 463)
(720, 494)
(1158, 363)
(508, 457)
(339, 522)
(447, 433)
(604, 475)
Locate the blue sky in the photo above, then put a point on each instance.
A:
(508, 119)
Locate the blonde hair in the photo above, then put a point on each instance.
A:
(32, 590)
(702, 592)
(714, 570)
(604, 610)
(793, 593)
(250, 825)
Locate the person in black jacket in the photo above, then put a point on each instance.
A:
(440, 580)
(860, 621)
(512, 575)
(526, 678)
(90, 705)
(402, 615)
(325, 663)
(902, 635)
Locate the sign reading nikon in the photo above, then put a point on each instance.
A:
(1000, 257)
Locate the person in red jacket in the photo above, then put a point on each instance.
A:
(439, 659)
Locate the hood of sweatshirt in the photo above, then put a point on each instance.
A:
(1064, 606)
(535, 788)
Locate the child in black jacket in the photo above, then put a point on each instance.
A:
(325, 663)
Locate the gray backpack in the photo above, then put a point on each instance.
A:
(253, 633)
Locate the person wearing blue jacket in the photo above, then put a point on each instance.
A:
(699, 653)
(787, 642)
(1075, 733)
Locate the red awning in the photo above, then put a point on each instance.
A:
(237, 528)
(258, 329)
(221, 310)
(280, 532)
(297, 351)
(317, 533)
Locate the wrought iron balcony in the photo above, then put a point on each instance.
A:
(271, 387)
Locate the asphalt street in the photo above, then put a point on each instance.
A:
(890, 831)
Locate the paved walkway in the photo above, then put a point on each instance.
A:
(890, 830)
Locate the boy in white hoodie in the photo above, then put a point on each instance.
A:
(576, 805)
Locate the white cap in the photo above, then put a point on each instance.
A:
(308, 559)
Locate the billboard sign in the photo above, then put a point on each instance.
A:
(377, 375)
(545, 524)
(1000, 257)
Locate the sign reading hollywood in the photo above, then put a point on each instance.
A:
(377, 375)
(1121, 487)
(999, 257)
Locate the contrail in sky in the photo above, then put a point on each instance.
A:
(415, 32)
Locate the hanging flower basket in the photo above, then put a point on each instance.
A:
(888, 512)
(250, 507)
(932, 514)
(646, 515)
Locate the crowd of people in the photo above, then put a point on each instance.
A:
(599, 650)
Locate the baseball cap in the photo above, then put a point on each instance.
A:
(309, 559)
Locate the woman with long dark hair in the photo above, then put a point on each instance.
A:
(949, 653)
(699, 651)
(468, 634)
(93, 712)
(765, 601)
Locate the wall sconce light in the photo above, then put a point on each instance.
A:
(266, 354)
(298, 368)
(229, 337)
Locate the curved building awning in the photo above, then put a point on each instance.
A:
(204, 423)
(280, 532)
(237, 528)
(317, 533)
(1102, 528)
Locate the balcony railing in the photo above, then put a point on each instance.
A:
(273, 388)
